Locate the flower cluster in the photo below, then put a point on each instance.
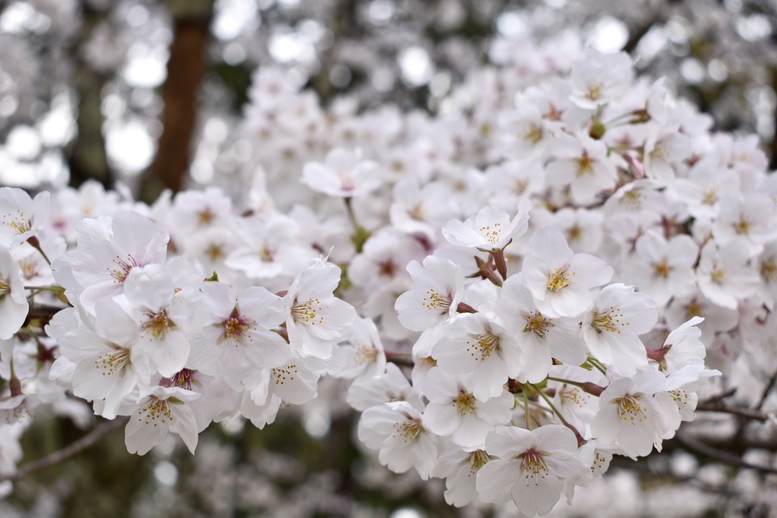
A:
(518, 288)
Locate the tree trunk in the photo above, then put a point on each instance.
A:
(185, 69)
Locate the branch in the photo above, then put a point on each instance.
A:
(718, 397)
(706, 450)
(742, 412)
(768, 388)
(66, 452)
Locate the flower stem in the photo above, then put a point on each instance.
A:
(580, 440)
(360, 234)
(587, 386)
(36, 244)
(526, 408)
(596, 363)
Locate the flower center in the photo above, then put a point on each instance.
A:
(693, 309)
(630, 409)
(408, 430)
(631, 199)
(365, 354)
(306, 312)
(387, 268)
(533, 133)
(29, 268)
(769, 269)
(235, 325)
(491, 235)
(484, 345)
(122, 268)
(559, 278)
(266, 254)
(659, 152)
(594, 92)
(17, 222)
(573, 395)
(533, 464)
(464, 402)
(710, 197)
(205, 216)
(435, 301)
(718, 276)
(156, 410)
(182, 379)
(742, 227)
(214, 252)
(537, 323)
(416, 212)
(111, 363)
(477, 460)
(584, 165)
(609, 320)
(661, 268)
(680, 397)
(158, 323)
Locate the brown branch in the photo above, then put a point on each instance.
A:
(66, 452)
(767, 389)
(718, 397)
(741, 412)
(700, 448)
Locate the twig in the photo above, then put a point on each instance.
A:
(768, 388)
(719, 397)
(718, 455)
(742, 412)
(66, 452)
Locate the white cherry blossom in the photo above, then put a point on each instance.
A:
(530, 467)
(559, 279)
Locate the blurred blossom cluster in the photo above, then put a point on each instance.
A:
(56, 55)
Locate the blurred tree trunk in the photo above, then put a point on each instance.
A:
(185, 69)
(88, 159)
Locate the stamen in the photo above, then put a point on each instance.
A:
(408, 430)
(281, 375)
(111, 363)
(158, 323)
(17, 222)
(484, 345)
(492, 235)
(559, 278)
(630, 409)
(236, 325)
(537, 323)
(609, 320)
(464, 402)
(124, 267)
(533, 465)
(306, 312)
(436, 301)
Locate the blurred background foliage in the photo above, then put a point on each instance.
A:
(149, 93)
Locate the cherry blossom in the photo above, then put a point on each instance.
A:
(530, 467)
(559, 279)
